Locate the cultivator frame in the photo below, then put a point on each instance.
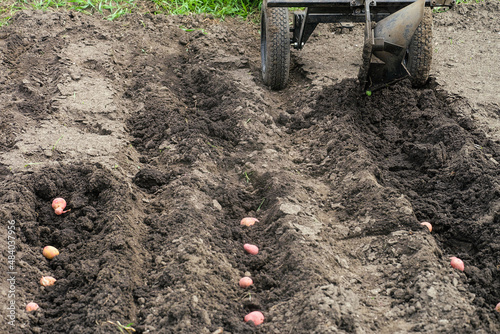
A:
(398, 33)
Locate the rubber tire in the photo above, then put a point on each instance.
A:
(418, 57)
(275, 46)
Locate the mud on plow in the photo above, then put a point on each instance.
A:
(397, 37)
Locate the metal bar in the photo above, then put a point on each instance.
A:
(341, 17)
(301, 30)
(306, 30)
(322, 3)
(303, 3)
(354, 9)
(329, 3)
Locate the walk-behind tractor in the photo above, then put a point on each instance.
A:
(397, 44)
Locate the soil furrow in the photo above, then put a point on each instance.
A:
(161, 136)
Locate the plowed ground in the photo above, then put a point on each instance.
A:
(161, 136)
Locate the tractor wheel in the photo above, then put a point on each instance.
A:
(275, 46)
(418, 56)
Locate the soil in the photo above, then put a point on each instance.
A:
(161, 137)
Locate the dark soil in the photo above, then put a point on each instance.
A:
(161, 139)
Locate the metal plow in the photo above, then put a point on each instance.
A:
(397, 41)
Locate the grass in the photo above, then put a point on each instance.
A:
(262, 202)
(108, 9)
(57, 142)
(247, 176)
(218, 8)
(122, 328)
(193, 29)
(113, 9)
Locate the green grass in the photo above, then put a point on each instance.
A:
(218, 8)
(110, 9)
(122, 328)
(113, 9)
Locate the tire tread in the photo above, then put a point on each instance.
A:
(420, 51)
(278, 48)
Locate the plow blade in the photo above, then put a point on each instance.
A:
(386, 44)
